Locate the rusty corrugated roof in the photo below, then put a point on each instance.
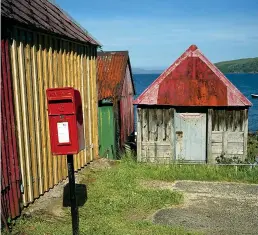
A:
(45, 15)
(192, 80)
(111, 73)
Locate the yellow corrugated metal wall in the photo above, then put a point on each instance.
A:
(40, 61)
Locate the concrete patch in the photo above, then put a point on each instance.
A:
(214, 208)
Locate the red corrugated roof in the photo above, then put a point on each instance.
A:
(192, 81)
(111, 73)
(45, 15)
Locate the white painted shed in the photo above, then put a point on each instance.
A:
(191, 112)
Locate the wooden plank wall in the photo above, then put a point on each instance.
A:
(229, 133)
(10, 173)
(38, 62)
(155, 142)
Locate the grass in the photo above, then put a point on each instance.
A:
(252, 150)
(118, 204)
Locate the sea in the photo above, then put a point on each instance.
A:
(246, 83)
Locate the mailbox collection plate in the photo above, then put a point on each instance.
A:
(63, 133)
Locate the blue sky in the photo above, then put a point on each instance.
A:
(156, 32)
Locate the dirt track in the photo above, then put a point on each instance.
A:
(214, 208)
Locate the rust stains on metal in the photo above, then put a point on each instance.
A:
(112, 73)
(192, 81)
(192, 85)
(45, 15)
(126, 108)
(115, 83)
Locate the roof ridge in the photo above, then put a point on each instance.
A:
(46, 15)
(53, 2)
(110, 52)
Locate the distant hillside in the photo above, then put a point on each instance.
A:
(248, 65)
(146, 71)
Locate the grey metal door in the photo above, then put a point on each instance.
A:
(190, 137)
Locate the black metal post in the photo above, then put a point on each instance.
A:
(74, 208)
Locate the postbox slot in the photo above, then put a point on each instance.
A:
(60, 101)
(61, 107)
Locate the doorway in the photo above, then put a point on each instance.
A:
(190, 137)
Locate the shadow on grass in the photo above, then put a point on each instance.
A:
(80, 192)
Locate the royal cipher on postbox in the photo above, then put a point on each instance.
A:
(65, 120)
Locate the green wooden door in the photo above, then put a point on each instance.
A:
(106, 132)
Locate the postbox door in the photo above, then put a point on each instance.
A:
(63, 131)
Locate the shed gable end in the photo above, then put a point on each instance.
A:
(192, 83)
(192, 80)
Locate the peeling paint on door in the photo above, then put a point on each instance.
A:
(190, 136)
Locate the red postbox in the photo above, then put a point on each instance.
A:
(65, 120)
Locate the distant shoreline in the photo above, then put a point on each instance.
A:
(162, 72)
(247, 65)
(242, 73)
(226, 67)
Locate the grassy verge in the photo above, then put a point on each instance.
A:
(118, 204)
(252, 147)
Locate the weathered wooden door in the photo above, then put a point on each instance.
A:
(190, 136)
(106, 132)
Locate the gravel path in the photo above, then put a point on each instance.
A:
(214, 208)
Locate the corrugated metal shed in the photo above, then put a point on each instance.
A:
(111, 73)
(115, 84)
(192, 80)
(44, 15)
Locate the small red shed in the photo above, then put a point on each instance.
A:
(191, 112)
(115, 95)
